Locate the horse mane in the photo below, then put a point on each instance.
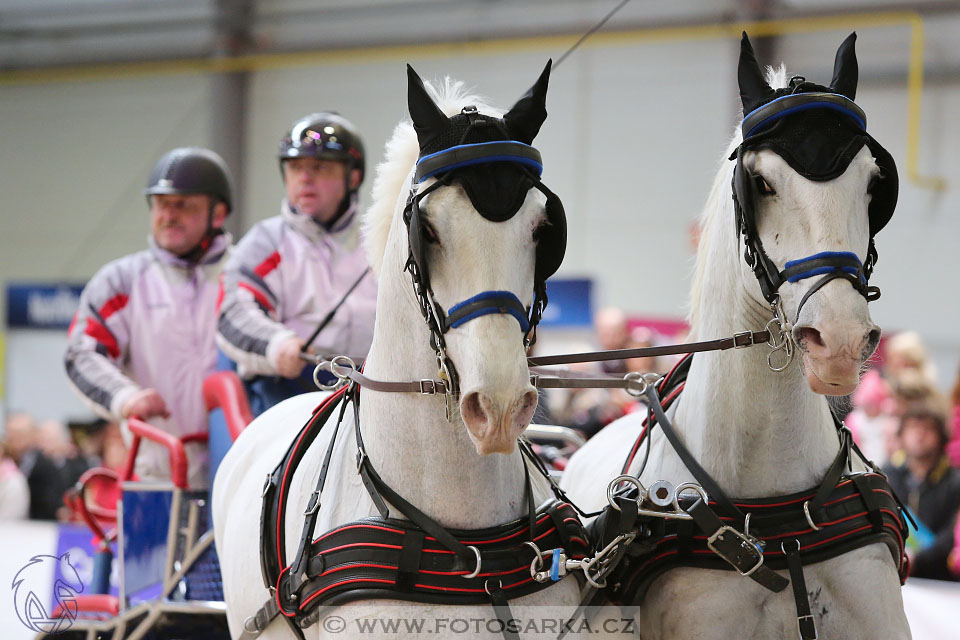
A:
(719, 211)
(400, 155)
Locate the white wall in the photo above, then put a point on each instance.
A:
(635, 134)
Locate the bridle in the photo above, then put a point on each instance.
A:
(761, 129)
(443, 166)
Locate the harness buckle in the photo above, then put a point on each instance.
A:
(745, 543)
(748, 342)
(813, 624)
(428, 387)
(313, 505)
(361, 457)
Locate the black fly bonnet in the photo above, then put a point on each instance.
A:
(492, 160)
(817, 130)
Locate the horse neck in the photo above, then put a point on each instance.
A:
(756, 431)
(427, 459)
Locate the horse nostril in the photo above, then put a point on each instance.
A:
(471, 407)
(809, 336)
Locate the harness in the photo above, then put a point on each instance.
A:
(754, 537)
(415, 559)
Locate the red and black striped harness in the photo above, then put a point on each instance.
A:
(413, 559)
(844, 512)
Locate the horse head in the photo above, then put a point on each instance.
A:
(479, 234)
(812, 189)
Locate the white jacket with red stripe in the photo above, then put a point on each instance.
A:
(148, 320)
(283, 278)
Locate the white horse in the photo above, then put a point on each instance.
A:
(759, 433)
(465, 472)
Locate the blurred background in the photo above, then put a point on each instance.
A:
(92, 92)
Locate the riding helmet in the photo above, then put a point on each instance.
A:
(188, 170)
(324, 135)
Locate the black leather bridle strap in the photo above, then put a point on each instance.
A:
(739, 551)
(805, 622)
(699, 473)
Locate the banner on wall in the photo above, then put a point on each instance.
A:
(42, 306)
(570, 303)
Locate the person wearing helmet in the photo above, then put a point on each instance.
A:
(301, 275)
(142, 340)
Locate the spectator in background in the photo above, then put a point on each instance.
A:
(929, 486)
(953, 447)
(142, 341)
(43, 476)
(612, 331)
(872, 422)
(14, 491)
(905, 354)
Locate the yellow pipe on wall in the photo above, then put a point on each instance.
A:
(498, 47)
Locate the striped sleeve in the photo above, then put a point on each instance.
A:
(98, 338)
(249, 328)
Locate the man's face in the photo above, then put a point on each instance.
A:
(315, 187)
(179, 222)
(920, 438)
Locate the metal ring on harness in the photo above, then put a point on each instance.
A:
(476, 571)
(641, 491)
(486, 585)
(537, 563)
(347, 363)
(321, 366)
(806, 512)
(644, 380)
(683, 487)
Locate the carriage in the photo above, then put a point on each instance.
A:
(486, 533)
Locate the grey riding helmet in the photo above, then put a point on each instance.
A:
(325, 135)
(190, 170)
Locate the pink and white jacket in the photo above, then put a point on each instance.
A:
(147, 320)
(283, 278)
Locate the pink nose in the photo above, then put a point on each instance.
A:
(496, 423)
(826, 346)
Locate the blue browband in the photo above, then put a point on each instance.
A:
(822, 263)
(784, 106)
(486, 303)
(466, 155)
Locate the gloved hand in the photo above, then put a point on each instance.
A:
(288, 362)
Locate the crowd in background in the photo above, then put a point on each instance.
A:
(40, 461)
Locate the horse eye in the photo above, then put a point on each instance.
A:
(874, 181)
(429, 233)
(763, 187)
(540, 230)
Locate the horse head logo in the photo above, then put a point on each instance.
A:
(29, 606)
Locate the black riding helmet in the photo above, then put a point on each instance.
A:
(193, 170)
(188, 170)
(329, 136)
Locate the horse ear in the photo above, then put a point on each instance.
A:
(753, 87)
(427, 118)
(845, 69)
(526, 117)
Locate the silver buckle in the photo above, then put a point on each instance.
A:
(476, 571)
(806, 512)
(742, 334)
(428, 387)
(744, 540)
(816, 634)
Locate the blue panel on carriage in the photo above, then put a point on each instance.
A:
(146, 521)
